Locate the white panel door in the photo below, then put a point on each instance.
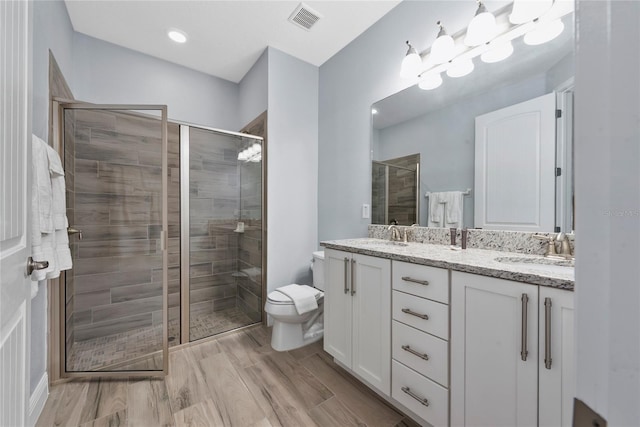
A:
(557, 377)
(515, 167)
(491, 384)
(371, 291)
(337, 305)
(15, 198)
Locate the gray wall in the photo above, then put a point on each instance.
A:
(52, 31)
(366, 71)
(106, 73)
(292, 169)
(445, 138)
(254, 90)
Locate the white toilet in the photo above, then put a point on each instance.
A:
(290, 329)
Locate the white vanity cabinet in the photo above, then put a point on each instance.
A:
(420, 344)
(556, 356)
(357, 313)
(498, 335)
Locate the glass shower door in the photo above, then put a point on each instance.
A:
(221, 176)
(114, 300)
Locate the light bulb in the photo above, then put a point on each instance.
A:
(411, 63)
(443, 48)
(177, 36)
(497, 53)
(544, 33)
(528, 10)
(482, 27)
(430, 81)
(460, 68)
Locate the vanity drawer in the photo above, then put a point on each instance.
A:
(412, 279)
(414, 308)
(432, 355)
(409, 388)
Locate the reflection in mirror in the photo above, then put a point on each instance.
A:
(395, 193)
(440, 124)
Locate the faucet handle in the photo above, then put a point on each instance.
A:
(551, 244)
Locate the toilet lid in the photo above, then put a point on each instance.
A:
(280, 298)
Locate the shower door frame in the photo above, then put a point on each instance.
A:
(57, 307)
(185, 300)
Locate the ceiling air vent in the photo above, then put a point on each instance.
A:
(304, 17)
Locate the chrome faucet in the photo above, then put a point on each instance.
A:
(395, 233)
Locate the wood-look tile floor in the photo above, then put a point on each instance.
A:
(234, 380)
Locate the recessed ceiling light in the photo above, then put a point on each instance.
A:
(177, 36)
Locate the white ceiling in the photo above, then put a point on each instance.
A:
(225, 37)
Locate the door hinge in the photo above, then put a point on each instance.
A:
(558, 114)
(558, 171)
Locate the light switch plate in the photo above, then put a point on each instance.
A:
(366, 211)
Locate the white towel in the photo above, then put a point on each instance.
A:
(49, 240)
(453, 208)
(303, 297)
(436, 208)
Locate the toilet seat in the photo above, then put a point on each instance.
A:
(278, 298)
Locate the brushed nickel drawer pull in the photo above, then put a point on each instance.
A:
(346, 268)
(413, 313)
(547, 333)
(418, 281)
(422, 400)
(523, 344)
(415, 353)
(353, 280)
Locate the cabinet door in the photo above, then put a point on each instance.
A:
(491, 384)
(557, 375)
(337, 305)
(372, 321)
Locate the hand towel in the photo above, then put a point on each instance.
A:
(303, 297)
(435, 210)
(453, 208)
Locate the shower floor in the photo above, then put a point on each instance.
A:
(114, 352)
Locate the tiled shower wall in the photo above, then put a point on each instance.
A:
(117, 190)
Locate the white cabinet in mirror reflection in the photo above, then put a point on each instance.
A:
(515, 167)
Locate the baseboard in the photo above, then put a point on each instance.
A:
(38, 399)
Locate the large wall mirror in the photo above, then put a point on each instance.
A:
(440, 124)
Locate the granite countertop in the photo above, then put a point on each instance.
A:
(476, 261)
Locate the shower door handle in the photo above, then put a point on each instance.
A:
(72, 230)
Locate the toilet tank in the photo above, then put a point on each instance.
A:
(317, 267)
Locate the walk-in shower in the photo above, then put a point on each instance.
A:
(137, 185)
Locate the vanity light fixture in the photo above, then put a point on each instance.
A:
(528, 10)
(443, 49)
(430, 81)
(544, 33)
(539, 21)
(177, 35)
(411, 63)
(482, 27)
(460, 67)
(497, 52)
